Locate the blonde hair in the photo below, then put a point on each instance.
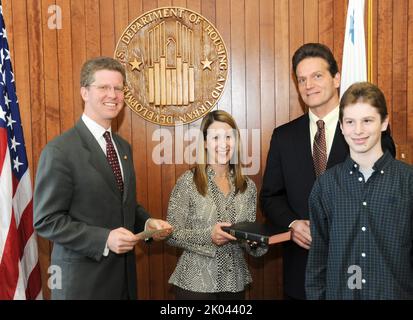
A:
(200, 169)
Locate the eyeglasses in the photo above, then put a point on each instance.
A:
(107, 88)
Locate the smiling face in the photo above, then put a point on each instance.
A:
(317, 87)
(220, 143)
(362, 126)
(104, 98)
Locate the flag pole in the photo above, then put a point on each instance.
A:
(370, 40)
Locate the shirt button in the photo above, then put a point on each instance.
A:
(363, 229)
(382, 172)
(363, 280)
(364, 203)
(363, 255)
(360, 179)
(351, 172)
(355, 166)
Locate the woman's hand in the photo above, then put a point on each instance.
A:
(220, 237)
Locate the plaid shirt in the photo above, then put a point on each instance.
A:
(362, 233)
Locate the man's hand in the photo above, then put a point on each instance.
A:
(300, 233)
(219, 236)
(158, 224)
(121, 240)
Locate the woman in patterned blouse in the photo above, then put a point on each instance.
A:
(211, 195)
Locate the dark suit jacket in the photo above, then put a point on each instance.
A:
(76, 205)
(288, 179)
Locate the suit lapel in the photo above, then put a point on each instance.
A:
(303, 147)
(97, 157)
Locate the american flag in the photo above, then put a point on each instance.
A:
(354, 53)
(19, 265)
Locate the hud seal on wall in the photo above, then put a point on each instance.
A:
(176, 65)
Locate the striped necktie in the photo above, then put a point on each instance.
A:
(113, 160)
(320, 149)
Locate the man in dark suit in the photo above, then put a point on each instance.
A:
(85, 195)
(290, 170)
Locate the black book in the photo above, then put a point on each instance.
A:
(258, 232)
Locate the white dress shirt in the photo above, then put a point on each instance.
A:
(97, 131)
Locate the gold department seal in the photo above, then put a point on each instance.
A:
(176, 65)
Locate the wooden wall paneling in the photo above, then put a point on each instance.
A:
(93, 24)
(168, 182)
(311, 21)
(181, 167)
(267, 80)
(260, 40)
(296, 40)
(123, 122)
(325, 23)
(208, 10)
(267, 98)
(65, 69)
(156, 288)
(340, 15)
(385, 53)
(79, 36)
(139, 155)
(135, 9)
(238, 61)
(282, 59)
(374, 63)
(253, 119)
(108, 35)
(51, 75)
(399, 130)
(35, 73)
(410, 76)
(273, 260)
(223, 24)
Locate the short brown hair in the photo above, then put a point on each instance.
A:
(90, 67)
(365, 92)
(315, 50)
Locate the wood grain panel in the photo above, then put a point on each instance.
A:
(399, 93)
(409, 102)
(78, 52)
(238, 62)
(51, 76)
(253, 117)
(260, 35)
(296, 13)
(325, 22)
(282, 57)
(339, 24)
(223, 24)
(385, 52)
(311, 21)
(65, 68)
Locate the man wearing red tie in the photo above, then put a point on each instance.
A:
(300, 151)
(85, 195)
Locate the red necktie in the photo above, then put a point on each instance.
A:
(320, 149)
(113, 160)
